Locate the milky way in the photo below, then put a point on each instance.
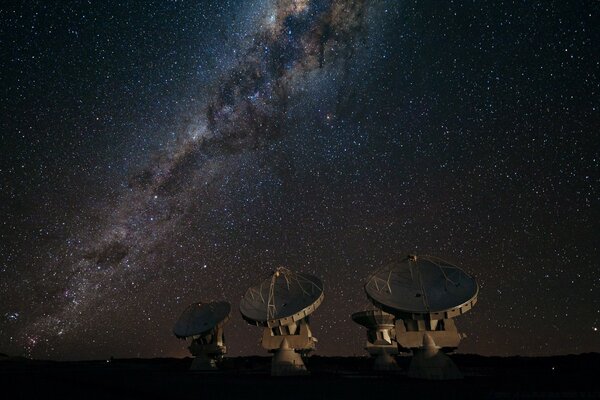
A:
(328, 136)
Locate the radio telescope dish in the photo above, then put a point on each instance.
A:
(204, 322)
(281, 304)
(199, 318)
(422, 285)
(282, 299)
(424, 294)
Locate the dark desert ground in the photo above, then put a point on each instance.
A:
(568, 377)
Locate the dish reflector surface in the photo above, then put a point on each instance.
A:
(421, 285)
(200, 318)
(373, 318)
(282, 299)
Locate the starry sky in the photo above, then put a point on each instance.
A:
(159, 153)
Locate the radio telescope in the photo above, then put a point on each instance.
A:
(381, 337)
(424, 294)
(281, 304)
(204, 322)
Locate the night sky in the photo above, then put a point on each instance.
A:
(158, 153)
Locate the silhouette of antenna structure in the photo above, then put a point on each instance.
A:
(203, 322)
(424, 294)
(281, 304)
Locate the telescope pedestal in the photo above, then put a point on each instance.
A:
(429, 362)
(203, 362)
(384, 360)
(206, 351)
(410, 333)
(286, 362)
(283, 341)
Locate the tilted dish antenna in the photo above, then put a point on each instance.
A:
(281, 304)
(424, 293)
(203, 322)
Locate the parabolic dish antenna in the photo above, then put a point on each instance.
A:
(282, 304)
(422, 285)
(282, 299)
(200, 318)
(424, 294)
(204, 322)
